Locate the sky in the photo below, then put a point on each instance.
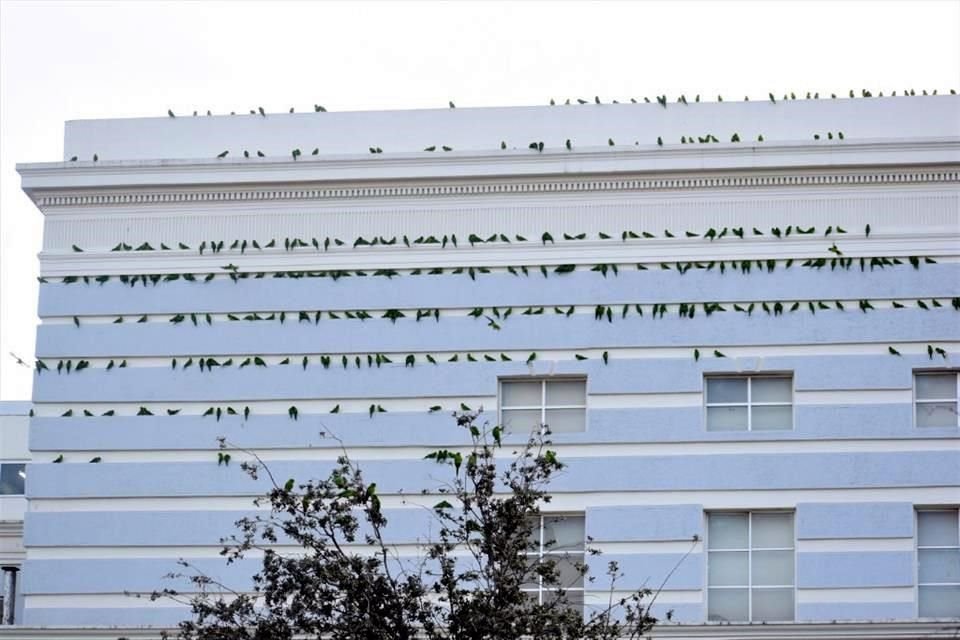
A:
(72, 60)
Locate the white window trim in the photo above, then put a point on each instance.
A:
(540, 553)
(542, 407)
(916, 553)
(749, 377)
(916, 401)
(706, 565)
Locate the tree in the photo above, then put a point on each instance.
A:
(467, 584)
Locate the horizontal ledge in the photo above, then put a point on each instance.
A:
(587, 252)
(906, 630)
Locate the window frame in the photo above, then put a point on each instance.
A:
(916, 552)
(915, 401)
(749, 550)
(540, 553)
(21, 473)
(749, 404)
(543, 407)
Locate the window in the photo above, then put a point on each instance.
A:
(12, 477)
(749, 403)
(559, 403)
(938, 560)
(935, 398)
(559, 538)
(750, 566)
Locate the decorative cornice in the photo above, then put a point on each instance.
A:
(689, 182)
(672, 167)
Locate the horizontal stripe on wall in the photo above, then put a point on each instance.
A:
(856, 520)
(649, 571)
(129, 617)
(497, 290)
(188, 528)
(405, 526)
(548, 331)
(140, 575)
(636, 473)
(824, 611)
(459, 380)
(167, 616)
(855, 569)
(563, 502)
(422, 429)
(642, 524)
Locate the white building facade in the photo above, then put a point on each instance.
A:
(745, 342)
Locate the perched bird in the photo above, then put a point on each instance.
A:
(444, 147)
(893, 351)
(659, 141)
(503, 144)
(430, 148)
(246, 154)
(170, 113)
(223, 154)
(260, 154)
(95, 157)
(262, 112)
(452, 106)
(610, 142)
(58, 459)
(96, 459)
(569, 146)
(73, 158)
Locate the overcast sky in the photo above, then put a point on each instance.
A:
(64, 61)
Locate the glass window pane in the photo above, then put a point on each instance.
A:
(521, 420)
(772, 531)
(938, 528)
(727, 568)
(726, 418)
(772, 604)
(563, 533)
(727, 531)
(940, 602)
(939, 565)
(566, 573)
(772, 568)
(772, 418)
(521, 394)
(771, 390)
(941, 386)
(727, 605)
(12, 477)
(566, 420)
(574, 598)
(535, 533)
(726, 390)
(566, 392)
(936, 414)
